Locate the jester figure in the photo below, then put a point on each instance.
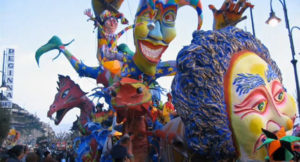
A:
(152, 37)
(107, 24)
(108, 54)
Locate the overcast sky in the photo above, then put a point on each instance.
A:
(26, 25)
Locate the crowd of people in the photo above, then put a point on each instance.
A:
(22, 153)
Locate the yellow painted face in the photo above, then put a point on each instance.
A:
(255, 99)
(153, 36)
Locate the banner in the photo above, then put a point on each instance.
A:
(8, 78)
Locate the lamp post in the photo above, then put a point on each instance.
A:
(252, 22)
(273, 20)
(3, 86)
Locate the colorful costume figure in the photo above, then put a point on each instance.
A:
(107, 53)
(12, 137)
(226, 90)
(168, 112)
(156, 107)
(107, 26)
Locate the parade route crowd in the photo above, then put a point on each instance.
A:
(22, 153)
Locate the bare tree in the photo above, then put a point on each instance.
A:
(4, 123)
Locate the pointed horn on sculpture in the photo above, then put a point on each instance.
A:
(196, 4)
(100, 5)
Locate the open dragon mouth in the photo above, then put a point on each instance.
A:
(59, 116)
(152, 52)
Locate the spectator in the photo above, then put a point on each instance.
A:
(46, 154)
(61, 157)
(3, 155)
(38, 151)
(48, 157)
(32, 157)
(119, 152)
(26, 151)
(70, 156)
(16, 153)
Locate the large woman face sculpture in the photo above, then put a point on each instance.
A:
(255, 99)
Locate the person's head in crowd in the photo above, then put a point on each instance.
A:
(32, 157)
(48, 157)
(17, 152)
(3, 155)
(26, 149)
(46, 154)
(124, 140)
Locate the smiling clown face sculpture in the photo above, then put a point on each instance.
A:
(152, 38)
(226, 89)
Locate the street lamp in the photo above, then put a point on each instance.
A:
(273, 19)
(294, 27)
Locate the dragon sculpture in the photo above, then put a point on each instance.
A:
(131, 99)
(69, 96)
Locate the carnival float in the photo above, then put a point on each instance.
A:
(227, 101)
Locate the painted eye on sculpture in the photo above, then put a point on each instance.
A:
(65, 93)
(146, 14)
(280, 96)
(278, 92)
(261, 106)
(139, 90)
(169, 17)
